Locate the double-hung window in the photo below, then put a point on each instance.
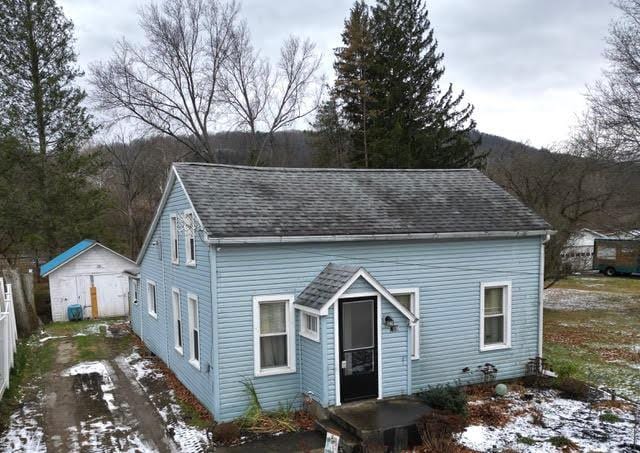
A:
(173, 233)
(274, 342)
(309, 326)
(495, 315)
(177, 320)
(190, 238)
(152, 299)
(410, 299)
(194, 330)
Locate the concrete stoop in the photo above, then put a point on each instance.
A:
(373, 424)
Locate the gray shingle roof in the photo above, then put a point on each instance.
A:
(234, 201)
(326, 285)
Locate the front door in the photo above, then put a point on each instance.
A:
(358, 349)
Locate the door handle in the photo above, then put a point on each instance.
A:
(343, 364)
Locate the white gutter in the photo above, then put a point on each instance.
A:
(541, 295)
(378, 237)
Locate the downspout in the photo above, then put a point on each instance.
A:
(164, 293)
(409, 356)
(541, 295)
(215, 375)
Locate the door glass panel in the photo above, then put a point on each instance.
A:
(357, 325)
(359, 362)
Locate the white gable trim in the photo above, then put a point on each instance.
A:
(377, 286)
(79, 254)
(173, 176)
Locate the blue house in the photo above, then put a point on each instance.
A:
(339, 285)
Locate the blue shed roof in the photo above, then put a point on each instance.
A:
(66, 256)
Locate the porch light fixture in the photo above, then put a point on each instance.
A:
(390, 323)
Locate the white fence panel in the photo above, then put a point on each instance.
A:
(8, 335)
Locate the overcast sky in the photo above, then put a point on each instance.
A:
(524, 64)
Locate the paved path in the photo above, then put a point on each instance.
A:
(98, 410)
(86, 407)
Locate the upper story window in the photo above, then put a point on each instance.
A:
(495, 315)
(410, 299)
(309, 326)
(152, 299)
(190, 238)
(274, 342)
(173, 233)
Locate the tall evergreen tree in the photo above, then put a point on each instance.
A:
(353, 70)
(42, 109)
(38, 75)
(331, 138)
(388, 85)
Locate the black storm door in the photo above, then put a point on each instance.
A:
(358, 349)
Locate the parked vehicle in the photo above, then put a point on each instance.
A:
(616, 256)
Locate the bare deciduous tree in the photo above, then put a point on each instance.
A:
(172, 83)
(199, 72)
(566, 189)
(265, 99)
(615, 100)
(135, 172)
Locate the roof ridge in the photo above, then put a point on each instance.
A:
(320, 169)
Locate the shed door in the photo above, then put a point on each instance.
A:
(112, 295)
(83, 283)
(358, 349)
(66, 294)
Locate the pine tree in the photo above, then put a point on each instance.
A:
(388, 84)
(38, 75)
(43, 110)
(331, 138)
(353, 68)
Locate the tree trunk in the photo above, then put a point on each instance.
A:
(23, 302)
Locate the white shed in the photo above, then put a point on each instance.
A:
(89, 264)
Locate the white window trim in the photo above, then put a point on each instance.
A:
(152, 313)
(192, 359)
(175, 242)
(311, 335)
(177, 314)
(507, 315)
(291, 338)
(189, 232)
(415, 309)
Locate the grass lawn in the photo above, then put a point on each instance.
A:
(598, 340)
(597, 282)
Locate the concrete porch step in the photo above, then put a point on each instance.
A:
(348, 442)
(390, 422)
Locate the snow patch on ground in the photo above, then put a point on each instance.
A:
(47, 338)
(575, 420)
(578, 299)
(102, 368)
(188, 438)
(25, 432)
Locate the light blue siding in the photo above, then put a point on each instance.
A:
(394, 352)
(158, 333)
(448, 275)
(311, 367)
(360, 286)
(328, 322)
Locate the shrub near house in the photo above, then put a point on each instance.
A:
(338, 284)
